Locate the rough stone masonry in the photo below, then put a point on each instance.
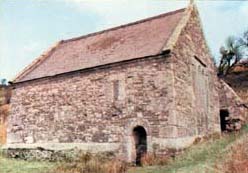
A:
(148, 86)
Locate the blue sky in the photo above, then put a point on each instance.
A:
(30, 27)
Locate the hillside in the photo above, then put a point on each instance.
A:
(238, 80)
(225, 154)
(217, 154)
(4, 111)
(5, 93)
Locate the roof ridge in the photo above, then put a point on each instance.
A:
(125, 25)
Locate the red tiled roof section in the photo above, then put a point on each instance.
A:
(139, 39)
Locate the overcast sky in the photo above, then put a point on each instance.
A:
(30, 27)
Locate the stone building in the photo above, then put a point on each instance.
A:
(233, 110)
(238, 80)
(142, 87)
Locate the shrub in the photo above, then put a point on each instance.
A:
(152, 159)
(89, 163)
(4, 111)
(239, 160)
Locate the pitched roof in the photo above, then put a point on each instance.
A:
(139, 39)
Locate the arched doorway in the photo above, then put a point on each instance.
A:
(140, 140)
(224, 114)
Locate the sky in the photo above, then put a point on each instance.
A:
(29, 27)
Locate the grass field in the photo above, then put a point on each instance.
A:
(18, 166)
(209, 156)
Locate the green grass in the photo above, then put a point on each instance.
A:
(19, 166)
(200, 158)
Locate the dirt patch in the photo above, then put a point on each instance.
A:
(4, 111)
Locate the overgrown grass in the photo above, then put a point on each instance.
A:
(83, 163)
(237, 160)
(201, 158)
(20, 166)
(89, 163)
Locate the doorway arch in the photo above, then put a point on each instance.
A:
(140, 141)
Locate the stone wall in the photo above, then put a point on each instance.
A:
(243, 93)
(196, 84)
(96, 109)
(233, 104)
(238, 81)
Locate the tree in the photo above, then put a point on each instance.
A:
(3, 82)
(235, 49)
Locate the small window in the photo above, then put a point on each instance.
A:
(116, 86)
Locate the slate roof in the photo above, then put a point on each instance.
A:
(139, 39)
